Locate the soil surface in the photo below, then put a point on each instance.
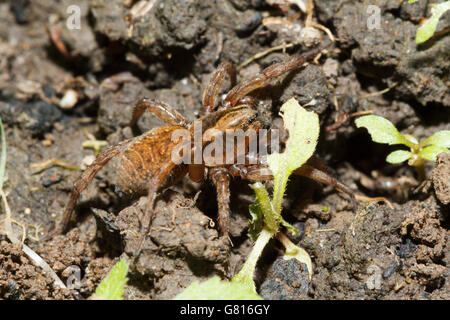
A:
(61, 87)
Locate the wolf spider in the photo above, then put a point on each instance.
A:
(143, 163)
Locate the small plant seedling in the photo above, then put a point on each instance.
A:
(382, 130)
(111, 287)
(427, 29)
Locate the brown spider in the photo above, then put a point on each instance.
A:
(144, 164)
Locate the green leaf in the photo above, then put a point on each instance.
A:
(303, 127)
(2, 155)
(382, 130)
(111, 288)
(431, 152)
(439, 139)
(412, 1)
(256, 224)
(215, 289)
(427, 29)
(398, 156)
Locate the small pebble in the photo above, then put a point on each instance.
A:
(374, 281)
(310, 36)
(390, 270)
(69, 100)
(330, 68)
(87, 161)
(58, 266)
(58, 126)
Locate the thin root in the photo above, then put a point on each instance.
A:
(325, 29)
(379, 93)
(264, 53)
(37, 229)
(174, 224)
(53, 162)
(55, 36)
(360, 113)
(369, 199)
(309, 12)
(343, 117)
(309, 23)
(326, 230)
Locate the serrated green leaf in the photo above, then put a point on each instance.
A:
(111, 288)
(439, 139)
(382, 130)
(431, 152)
(427, 29)
(2, 155)
(398, 156)
(216, 289)
(289, 226)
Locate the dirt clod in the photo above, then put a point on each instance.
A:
(441, 179)
(21, 280)
(181, 246)
(287, 280)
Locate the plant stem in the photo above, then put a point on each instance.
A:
(293, 251)
(286, 242)
(420, 172)
(262, 197)
(246, 274)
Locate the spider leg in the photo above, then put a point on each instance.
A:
(83, 181)
(262, 172)
(221, 180)
(309, 171)
(196, 172)
(241, 90)
(318, 163)
(161, 110)
(255, 172)
(212, 90)
(155, 184)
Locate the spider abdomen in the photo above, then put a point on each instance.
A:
(143, 159)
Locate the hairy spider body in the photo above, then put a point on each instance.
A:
(137, 164)
(144, 164)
